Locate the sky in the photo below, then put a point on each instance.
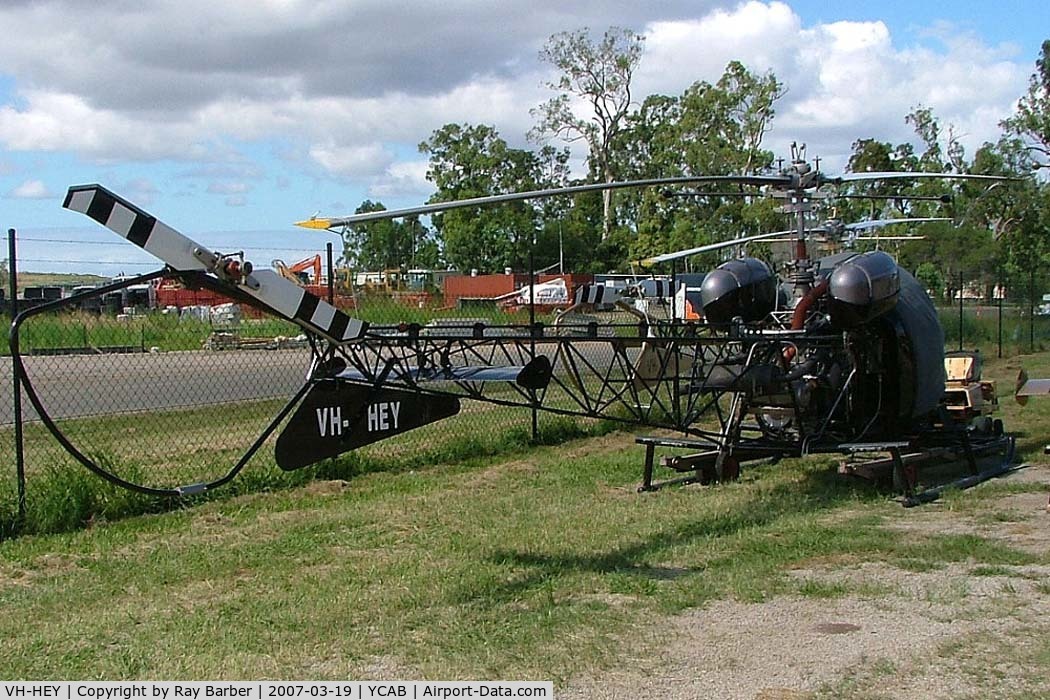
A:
(231, 120)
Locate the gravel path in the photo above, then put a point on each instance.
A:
(938, 634)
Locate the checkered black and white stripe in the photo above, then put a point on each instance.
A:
(651, 289)
(284, 297)
(597, 294)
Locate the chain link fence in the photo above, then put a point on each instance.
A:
(169, 397)
(1000, 315)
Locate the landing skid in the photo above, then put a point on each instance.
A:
(705, 466)
(900, 463)
(904, 464)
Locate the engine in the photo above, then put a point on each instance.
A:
(868, 363)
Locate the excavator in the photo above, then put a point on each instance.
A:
(300, 272)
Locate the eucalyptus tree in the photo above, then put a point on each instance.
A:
(711, 129)
(598, 73)
(388, 244)
(1031, 122)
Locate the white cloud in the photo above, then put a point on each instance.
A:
(678, 53)
(54, 121)
(31, 189)
(355, 161)
(845, 80)
(194, 80)
(407, 179)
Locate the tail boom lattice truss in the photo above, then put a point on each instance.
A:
(671, 376)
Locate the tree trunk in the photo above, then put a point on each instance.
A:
(606, 210)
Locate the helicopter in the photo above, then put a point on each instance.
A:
(838, 353)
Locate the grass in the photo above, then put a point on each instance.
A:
(52, 279)
(201, 444)
(980, 328)
(167, 332)
(539, 565)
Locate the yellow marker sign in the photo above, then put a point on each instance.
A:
(314, 223)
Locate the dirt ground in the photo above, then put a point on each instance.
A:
(944, 633)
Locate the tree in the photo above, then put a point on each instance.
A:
(388, 244)
(711, 129)
(599, 74)
(1032, 120)
(928, 129)
(473, 161)
(904, 198)
(723, 125)
(968, 253)
(931, 278)
(1002, 206)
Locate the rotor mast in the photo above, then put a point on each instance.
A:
(797, 201)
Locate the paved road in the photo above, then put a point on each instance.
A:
(89, 385)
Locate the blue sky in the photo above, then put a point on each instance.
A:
(231, 120)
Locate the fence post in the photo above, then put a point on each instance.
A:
(676, 389)
(20, 466)
(532, 334)
(960, 312)
(331, 275)
(1031, 309)
(999, 298)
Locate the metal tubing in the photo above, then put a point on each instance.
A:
(966, 482)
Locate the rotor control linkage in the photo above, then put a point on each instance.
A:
(231, 267)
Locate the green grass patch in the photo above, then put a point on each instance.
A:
(72, 330)
(81, 331)
(539, 565)
(814, 588)
(62, 494)
(474, 554)
(961, 548)
(981, 328)
(993, 570)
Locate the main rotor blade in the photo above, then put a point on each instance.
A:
(890, 175)
(667, 257)
(860, 225)
(330, 223)
(890, 238)
(879, 223)
(784, 180)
